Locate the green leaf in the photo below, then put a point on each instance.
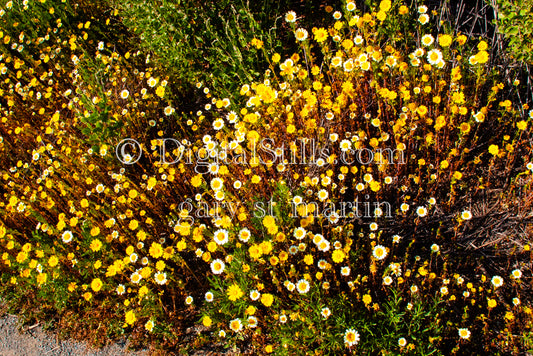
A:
(513, 30)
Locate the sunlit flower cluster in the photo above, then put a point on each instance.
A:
(328, 195)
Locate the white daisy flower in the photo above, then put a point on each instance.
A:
(427, 40)
(351, 337)
(290, 16)
(299, 233)
(66, 236)
(254, 294)
(301, 34)
(160, 278)
(379, 252)
(235, 325)
(516, 274)
(421, 211)
(464, 333)
(221, 236)
(466, 215)
(302, 286)
(497, 281)
(209, 297)
(217, 266)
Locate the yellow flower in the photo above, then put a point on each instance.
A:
(160, 91)
(133, 224)
(404, 10)
(521, 125)
(422, 110)
(270, 223)
(276, 58)
(267, 299)
(149, 325)
(196, 181)
(207, 321)
(52, 261)
(96, 284)
(291, 128)
(440, 122)
(141, 235)
(445, 40)
(26, 247)
(61, 225)
(320, 35)
(109, 223)
(256, 43)
(234, 292)
(482, 46)
(367, 299)
(381, 15)
(385, 5)
(95, 245)
(347, 44)
(465, 127)
(266, 247)
(130, 317)
(156, 250)
(494, 150)
(250, 310)
(41, 278)
(491, 303)
(338, 256)
(160, 265)
(95, 231)
(482, 57)
(265, 93)
(133, 194)
(255, 251)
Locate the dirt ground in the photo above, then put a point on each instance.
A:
(33, 341)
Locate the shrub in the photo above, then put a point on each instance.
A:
(333, 205)
(223, 44)
(515, 21)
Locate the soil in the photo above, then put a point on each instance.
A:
(34, 341)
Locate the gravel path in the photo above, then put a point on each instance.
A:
(36, 342)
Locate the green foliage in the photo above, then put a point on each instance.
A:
(515, 21)
(216, 45)
(210, 45)
(112, 249)
(402, 316)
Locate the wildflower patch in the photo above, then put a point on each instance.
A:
(368, 192)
